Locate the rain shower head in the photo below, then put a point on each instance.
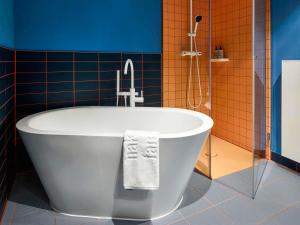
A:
(198, 19)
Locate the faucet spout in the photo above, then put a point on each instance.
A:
(133, 95)
(129, 62)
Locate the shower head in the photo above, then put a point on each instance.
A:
(198, 19)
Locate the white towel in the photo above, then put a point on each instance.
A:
(141, 160)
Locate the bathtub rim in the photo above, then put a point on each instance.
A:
(23, 124)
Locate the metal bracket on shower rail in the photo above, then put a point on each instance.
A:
(189, 53)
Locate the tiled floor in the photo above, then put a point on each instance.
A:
(227, 158)
(205, 203)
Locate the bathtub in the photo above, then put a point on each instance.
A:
(77, 153)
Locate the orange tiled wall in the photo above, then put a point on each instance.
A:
(232, 81)
(175, 39)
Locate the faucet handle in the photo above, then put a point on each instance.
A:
(142, 93)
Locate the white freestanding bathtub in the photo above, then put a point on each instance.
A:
(77, 153)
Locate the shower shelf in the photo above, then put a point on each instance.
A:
(220, 60)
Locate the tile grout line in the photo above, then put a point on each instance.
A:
(184, 218)
(268, 183)
(222, 212)
(99, 80)
(74, 84)
(237, 194)
(178, 220)
(46, 74)
(273, 215)
(210, 207)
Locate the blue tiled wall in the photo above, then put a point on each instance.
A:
(7, 170)
(93, 25)
(6, 122)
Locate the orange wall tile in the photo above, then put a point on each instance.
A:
(232, 81)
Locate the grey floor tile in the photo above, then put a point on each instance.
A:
(258, 172)
(66, 220)
(123, 222)
(274, 172)
(210, 216)
(243, 210)
(28, 190)
(181, 222)
(37, 218)
(290, 216)
(283, 192)
(218, 193)
(23, 210)
(270, 222)
(238, 183)
(175, 217)
(199, 183)
(195, 207)
(205, 202)
(172, 218)
(9, 211)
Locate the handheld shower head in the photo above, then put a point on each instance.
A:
(198, 19)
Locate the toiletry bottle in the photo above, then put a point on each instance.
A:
(216, 55)
(221, 52)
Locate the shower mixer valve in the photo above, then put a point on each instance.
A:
(191, 53)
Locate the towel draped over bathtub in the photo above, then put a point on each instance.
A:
(141, 160)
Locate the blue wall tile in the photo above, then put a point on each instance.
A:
(86, 66)
(30, 99)
(31, 67)
(83, 56)
(6, 116)
(25, 88)
(85, 76)
(54, 97)
(31, 56)
(59, 66)
(60, 56)
(88, 85)
(110, 66)
(60, 87)
(59, 76)
(30, 77)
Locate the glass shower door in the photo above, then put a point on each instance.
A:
(259, 93)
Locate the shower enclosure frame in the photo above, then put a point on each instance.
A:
(259, 138)
(259, 161)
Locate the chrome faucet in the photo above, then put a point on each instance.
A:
(129, 62)
(133, 95)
